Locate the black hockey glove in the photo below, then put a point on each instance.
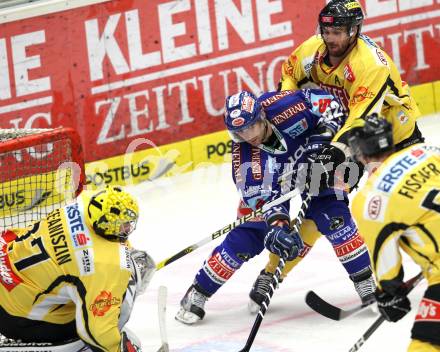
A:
(283, 242)
(280, 239)
(392, 308)
(322, 166)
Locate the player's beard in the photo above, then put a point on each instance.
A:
(338, 51)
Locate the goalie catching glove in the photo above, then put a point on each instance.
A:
(280, 239)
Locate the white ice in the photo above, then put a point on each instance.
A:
(179, 211)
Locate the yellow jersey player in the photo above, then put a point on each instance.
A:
(399, 209)
(71, 279)
(351, 67)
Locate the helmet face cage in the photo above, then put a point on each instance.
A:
(341, 13)
(242, 111)
(113, 213)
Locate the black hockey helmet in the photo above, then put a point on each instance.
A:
(374, 137)
(341, 13)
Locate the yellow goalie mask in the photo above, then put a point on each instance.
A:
(113, 213)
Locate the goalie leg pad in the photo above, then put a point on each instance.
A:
(427, 322)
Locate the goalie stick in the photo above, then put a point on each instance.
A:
(228, 228)
(276, 277)
(161, 310)
(408, 285)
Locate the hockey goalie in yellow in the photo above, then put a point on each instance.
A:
(73, 274)
(399, 208)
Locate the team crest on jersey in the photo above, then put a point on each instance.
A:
(103, 302)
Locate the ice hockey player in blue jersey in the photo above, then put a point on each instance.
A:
(274, 136)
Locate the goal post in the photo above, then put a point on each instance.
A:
(40, 170)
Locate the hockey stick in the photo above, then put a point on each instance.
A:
(409, 285)
(225, 230)
(161, 310)
(275, 279)
(330, 311)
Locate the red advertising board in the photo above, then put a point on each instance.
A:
(124, 69)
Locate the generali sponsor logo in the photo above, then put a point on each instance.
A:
(257, 173)
(236, 162)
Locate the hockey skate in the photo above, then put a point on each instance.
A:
(259, 291)
(365, 285)
(192, 306)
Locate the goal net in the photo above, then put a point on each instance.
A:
(40, 170)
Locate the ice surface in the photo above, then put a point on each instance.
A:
(179, 211)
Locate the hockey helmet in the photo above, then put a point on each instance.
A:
(242, 110)
(375, 136)
(113, 213)
(341, 13)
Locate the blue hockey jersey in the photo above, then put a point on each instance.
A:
(263, 173)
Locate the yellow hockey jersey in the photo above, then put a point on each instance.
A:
(59, 270)
(399, 206)
(365, 81)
